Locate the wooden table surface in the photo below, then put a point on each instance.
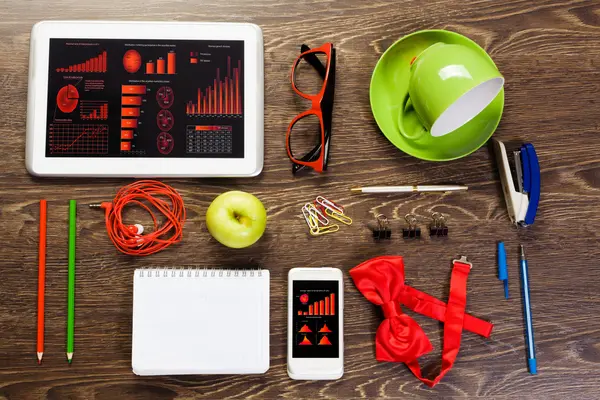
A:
(549, 52)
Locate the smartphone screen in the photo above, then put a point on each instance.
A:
(316, 319)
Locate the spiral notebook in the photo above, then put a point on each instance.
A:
(200, 321)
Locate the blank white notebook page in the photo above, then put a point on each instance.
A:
(200, 322)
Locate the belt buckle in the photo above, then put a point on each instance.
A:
(463, 260)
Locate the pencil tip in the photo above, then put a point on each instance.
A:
(69, 357)
(39, 356)
(356, 189)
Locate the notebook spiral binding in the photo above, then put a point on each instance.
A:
(198, 272)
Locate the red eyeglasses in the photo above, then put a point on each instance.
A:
(316, 122)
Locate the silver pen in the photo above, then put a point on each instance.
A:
(410, 189)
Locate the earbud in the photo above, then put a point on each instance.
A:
(136, 229)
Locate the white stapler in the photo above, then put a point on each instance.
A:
(522, 202)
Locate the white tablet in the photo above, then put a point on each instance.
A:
(145, 99)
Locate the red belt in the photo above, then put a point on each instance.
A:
(399, 338)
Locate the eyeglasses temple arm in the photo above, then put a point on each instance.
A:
(313, 60)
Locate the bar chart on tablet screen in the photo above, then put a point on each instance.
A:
(94, 64)
(223, 96)
(93, 110)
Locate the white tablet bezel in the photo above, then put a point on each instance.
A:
(251, 165)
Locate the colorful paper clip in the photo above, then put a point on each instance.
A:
(333, 210)
(344, 219)
(326, 229)
(317, 223)
(315, 214)
(313, 225)
(328, 204)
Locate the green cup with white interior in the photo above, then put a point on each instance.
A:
(450, 84)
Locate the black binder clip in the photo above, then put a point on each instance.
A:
(382, 229)
(438, 225)
(411, 232)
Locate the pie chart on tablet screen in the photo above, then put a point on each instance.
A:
(67, 98)
(132, 61)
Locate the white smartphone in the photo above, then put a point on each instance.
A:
(315, 323)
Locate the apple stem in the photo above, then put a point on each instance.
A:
(244, 220)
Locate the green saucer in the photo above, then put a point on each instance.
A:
(389, 85)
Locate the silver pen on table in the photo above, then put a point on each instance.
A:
(411, 189)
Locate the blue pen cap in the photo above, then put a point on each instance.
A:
(502, 267)
(532, 363)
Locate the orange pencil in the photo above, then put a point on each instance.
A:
(41, 281)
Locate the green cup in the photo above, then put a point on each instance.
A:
(450, 84)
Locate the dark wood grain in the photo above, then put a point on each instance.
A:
(549, 52)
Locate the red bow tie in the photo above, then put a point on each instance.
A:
(399, 338)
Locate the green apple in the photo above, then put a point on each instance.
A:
(236, 219)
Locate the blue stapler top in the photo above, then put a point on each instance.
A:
(531, 180)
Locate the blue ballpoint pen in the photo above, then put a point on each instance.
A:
(531, 361)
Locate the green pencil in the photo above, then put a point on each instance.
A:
(71, 289)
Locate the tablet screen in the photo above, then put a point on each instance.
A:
(145, 98)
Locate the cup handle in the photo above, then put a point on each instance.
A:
(406, 105)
